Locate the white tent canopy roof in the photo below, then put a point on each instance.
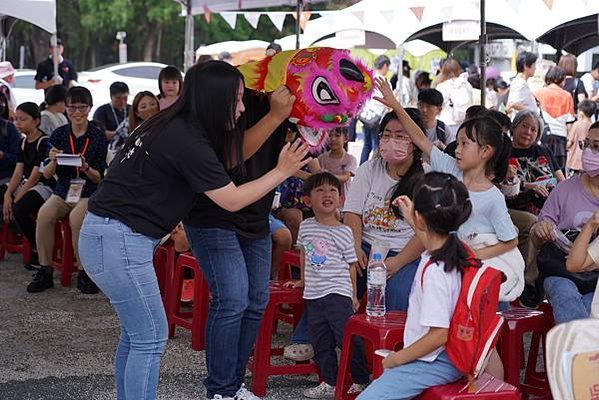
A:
(396, 20)
(231, 47)
(38, 12)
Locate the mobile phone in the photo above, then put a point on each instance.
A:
(382, 352)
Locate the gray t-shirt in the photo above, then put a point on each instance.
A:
(328, 252)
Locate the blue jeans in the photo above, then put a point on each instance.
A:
(371, 142)
(567, 302)
(409, 380)
(119, 261)
(397, 293)
(237, 270)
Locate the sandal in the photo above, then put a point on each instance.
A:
(299, 352)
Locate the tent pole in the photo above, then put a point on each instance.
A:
(189, 28)
(298, 26)
(54, 54)
(483, 54)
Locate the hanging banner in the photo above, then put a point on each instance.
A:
(418, 11)
(253, 18)
(230, 18)
(277, 19)
(457, 31)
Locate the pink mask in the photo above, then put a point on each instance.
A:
(395, 151)
(590, 162)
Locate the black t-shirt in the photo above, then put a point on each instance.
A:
(574, 86)
(32, 154)
(251, 221)
(104, 115)
(535, 164)
(66, 69)
(152, 189)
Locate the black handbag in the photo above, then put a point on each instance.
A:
(551, 261)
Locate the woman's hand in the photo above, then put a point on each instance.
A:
(407, 208)
(362, 260)
(387, 97)
(539, 190)
(293, 158)
(7, 209)
(593, 222)
(294, 284)
(391, 360)
(281, 102)
(544, 231)
(355, 304)
(53, 153)
(512, 172)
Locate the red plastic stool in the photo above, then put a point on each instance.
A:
(194, 320)
(288, 259)
(11, 243)
(381, 332)
(63, 257)
(165, 257)
(486, 387)
(260, 363)
(519, 321)
(285, 313)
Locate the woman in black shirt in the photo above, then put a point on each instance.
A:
(149, 188)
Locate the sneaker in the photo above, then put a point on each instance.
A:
(86, 285)
(531, 297)
(356, 388)
(42, 280)
(31, 267)
(244, 394)
(322, 391)
(187, 291)
(299, 352)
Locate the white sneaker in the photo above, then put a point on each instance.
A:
(219, 397)
(244, 394)
(322, 391)
(356, 388)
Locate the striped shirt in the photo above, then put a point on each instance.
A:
(328, 252)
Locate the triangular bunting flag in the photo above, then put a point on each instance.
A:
(304, 18)
(548, 3)
(230, 18)
(252, 18)
(417, 12)
(207, 14)
(277, 19)
(359, 15)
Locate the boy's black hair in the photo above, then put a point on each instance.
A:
(503, 119)
(319, 179)
(444, 203)
(588, 107)
(117, 88)
(431, 97)
(525, 58)
(56, 94)
(475, 111)
(30, 109)
(79, 94)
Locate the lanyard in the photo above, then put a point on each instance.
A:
(119, 124)
(73, 149)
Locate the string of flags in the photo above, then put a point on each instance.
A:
(253, 17)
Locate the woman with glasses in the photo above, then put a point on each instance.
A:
(87, 146)
(367, 210)
(532, 174)
(569, 206)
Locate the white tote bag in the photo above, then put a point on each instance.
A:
(573, 357)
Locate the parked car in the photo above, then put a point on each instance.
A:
(137, 75)
(24, 89)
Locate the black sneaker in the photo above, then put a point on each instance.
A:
(42, 280)
(31, 267)
(86, 285)
(531, 297)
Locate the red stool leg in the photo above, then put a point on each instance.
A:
(343, 375)
(199, 306)
(510, 353)
(68, 258)
(173, 302)
(262, 352)
(4, 241)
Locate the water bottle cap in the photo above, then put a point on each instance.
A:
(377, 257)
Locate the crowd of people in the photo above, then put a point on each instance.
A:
(517, 182)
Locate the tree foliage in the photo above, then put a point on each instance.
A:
(155, 31)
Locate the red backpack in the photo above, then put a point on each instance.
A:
(475, 325)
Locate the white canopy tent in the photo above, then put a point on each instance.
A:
(41, 13)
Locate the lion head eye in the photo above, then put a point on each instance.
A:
(322, 92)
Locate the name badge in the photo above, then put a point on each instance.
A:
(75, 190)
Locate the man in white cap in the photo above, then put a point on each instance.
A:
(7, 77)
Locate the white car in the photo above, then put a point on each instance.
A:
(138, 76)
(23, 87)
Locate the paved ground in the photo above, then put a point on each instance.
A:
(60, 344)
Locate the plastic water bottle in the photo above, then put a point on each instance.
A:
(377, 281)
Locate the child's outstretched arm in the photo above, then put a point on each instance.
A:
(434, 338)
(387, 98)
(496, 250)
(579, 259)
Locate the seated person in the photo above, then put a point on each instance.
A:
(74, 185)
(53, 116)
(114, 117)
(145, 105)
(430, 103)
(9, 145)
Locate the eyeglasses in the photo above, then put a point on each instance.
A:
(587, 144)
(74, 109)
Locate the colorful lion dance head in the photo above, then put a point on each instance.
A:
(329, 86)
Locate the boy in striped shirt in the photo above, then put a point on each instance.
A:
(329, 280)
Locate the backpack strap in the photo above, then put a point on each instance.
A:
(428, 264)
(441, 131)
